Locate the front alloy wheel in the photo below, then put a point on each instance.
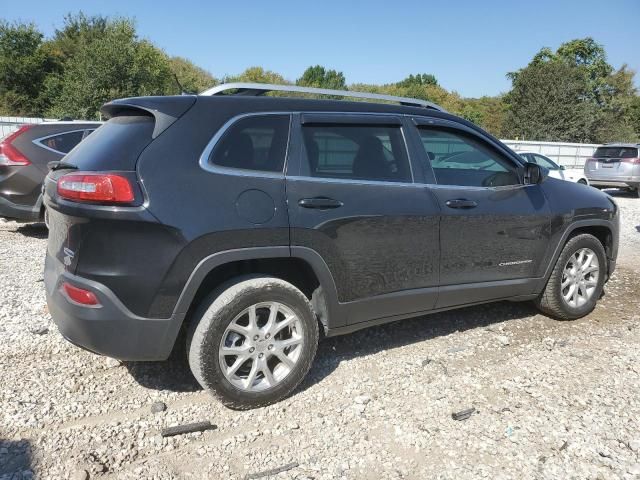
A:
(580, 277)
(577, 279)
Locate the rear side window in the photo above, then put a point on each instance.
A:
(63, 142)
(254, 143)
(616, 152)
(358, 152)
(461, 159)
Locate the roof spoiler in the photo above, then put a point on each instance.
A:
(165, 110)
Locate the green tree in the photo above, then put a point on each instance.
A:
(319, 77)
(419, 79)
(608, 95)
(634, 116)
(192, 78)
(111, 65)
(24, 64)
(547, 103)
(257, 75)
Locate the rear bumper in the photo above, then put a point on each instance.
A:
(110, 329)
(12, 210)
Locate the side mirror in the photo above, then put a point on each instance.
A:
(562, 167)
(534, 173)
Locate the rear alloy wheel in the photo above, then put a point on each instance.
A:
(577, 280)
(253, 341)
(261, 346)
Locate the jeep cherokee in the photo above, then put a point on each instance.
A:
(253, 223)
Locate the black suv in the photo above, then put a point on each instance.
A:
(24, 155)
(253, 223)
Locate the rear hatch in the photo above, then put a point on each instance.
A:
(613, 163)
(113, 149)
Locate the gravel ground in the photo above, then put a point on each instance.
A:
(552, 399)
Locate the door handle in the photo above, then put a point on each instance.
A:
(461, 203)
(320, 203)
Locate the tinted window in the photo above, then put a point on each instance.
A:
(616, 152)
(64, 142)
(460, 159)
(545, 162)
(116, 145)
(360, 152)
(254, 143)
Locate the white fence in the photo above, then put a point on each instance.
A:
(567, 154)
(9, 124)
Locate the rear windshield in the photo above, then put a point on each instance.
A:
(116, 145)
(616, 152)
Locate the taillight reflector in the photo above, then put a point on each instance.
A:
(631, 160)
(80, 295)
(10, 155)
(95, 187)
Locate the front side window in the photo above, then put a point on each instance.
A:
(254, 143)
(358, 152)
(64, 142)
(461, 159)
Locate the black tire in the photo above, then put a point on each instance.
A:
(582, 181)
(551, 301)
(210, 322)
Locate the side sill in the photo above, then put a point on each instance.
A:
(334, 332)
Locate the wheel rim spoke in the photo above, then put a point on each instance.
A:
(287, 322)
(268, 375)
(285, 359)
(251, 378)
(290, 342)
(236, 365)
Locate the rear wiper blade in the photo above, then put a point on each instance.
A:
(58, 164)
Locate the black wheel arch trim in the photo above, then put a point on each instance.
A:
(311, 257)
(572, 227)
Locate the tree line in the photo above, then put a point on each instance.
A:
(572, 94)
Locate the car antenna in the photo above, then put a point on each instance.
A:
(182, 90)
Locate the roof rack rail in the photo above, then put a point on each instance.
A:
(256, 89)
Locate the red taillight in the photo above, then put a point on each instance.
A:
(80, 295)
(10, 155)
(96, 187)
(631, 160)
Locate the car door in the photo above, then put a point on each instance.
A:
(494, 228)
(352, 199)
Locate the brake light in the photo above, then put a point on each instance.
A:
(631, 160)
(10, 155)
(80, 295)
(96, 187)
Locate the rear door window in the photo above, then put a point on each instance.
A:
(356, 152)
(254, 143)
